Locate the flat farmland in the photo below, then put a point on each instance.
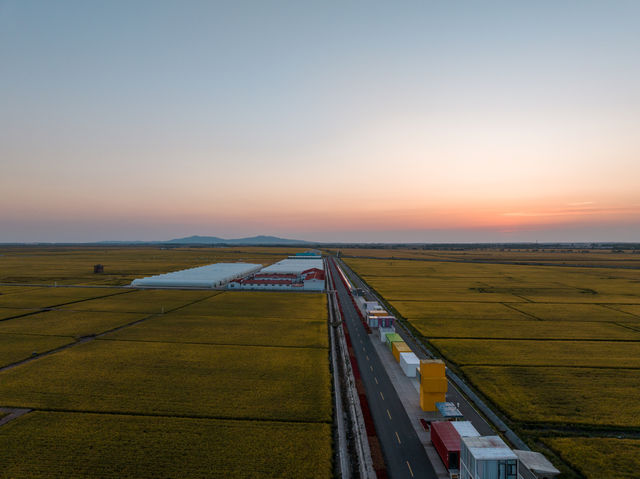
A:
(6, 313)
(78, 445)
(633, 309)
(16, 347)
(549, 346)
(50, 297)
(528, 329)
(178, 327)
(74, 264)
(177, 380)
(585, 396)
(142, 301)
(458, 310)
(191, 383)
(592, 456)
(68, 323)
(557, 256)
(574, 312)
(541, 353)
(262, 304)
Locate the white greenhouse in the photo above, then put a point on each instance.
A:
(209, 276)
(294, 266)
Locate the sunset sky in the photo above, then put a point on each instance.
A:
(421, 121)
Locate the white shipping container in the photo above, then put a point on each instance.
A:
(409, 363)
(383, 333)
(465, 429)
(370, 305)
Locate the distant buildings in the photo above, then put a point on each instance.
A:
(302, 272)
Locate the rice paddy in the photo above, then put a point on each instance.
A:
(598, 457)
(79, 445)
(549, 346)
(159, 383)
(16, 347)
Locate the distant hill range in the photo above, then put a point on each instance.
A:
(254, 240)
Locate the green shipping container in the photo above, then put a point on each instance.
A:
(392, 338)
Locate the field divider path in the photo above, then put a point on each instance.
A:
(613, 308)
(180, 416)
(86, 339)
(55, 307)
(509, 305)
(12, 413)
(278, 346)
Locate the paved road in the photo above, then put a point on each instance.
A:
(453, 394)
(405, 456)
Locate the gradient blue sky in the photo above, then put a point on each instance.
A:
(337, 121)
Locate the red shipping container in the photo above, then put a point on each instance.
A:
(446, 440)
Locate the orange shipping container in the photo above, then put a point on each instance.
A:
(433, 384)
(400, 347)
(432, 368)
(428, 400)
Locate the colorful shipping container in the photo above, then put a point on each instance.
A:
(399, 347)
(433, 383)
(445, 437)
(384, 332)
(446, 441)
(409, 363)
(392, 338)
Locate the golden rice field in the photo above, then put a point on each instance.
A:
(578, 396)
(80, 445)
(582, 353)
(178, 327)
(68, 323)
(15, 347)
(142, 301)
(261, 305)
(6, 313)
(54, 297)
(598, 457)
(516, 329)
(547, 345)
(160, 383)
(560, 256)
(176, 379)
(74, 264)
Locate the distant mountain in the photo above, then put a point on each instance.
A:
(254, 240)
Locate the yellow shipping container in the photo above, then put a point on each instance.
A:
(428, 400)
(378, 312)
(400, 347)
(430, 385)
(432, 368)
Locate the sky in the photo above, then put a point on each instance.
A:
(368, 121)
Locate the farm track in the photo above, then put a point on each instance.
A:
(181, 416)
(12, 413)
(214, 344)
(55, 307)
